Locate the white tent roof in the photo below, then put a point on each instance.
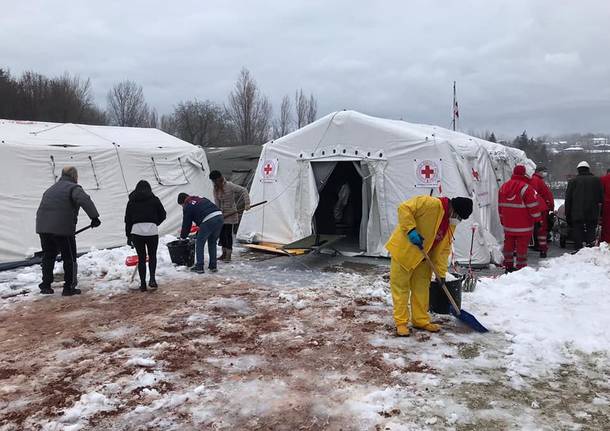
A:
(110, 160)
(389, 150)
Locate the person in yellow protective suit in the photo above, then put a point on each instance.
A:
(423, 222)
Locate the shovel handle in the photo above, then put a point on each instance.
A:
(439, 279)
(241, 211)
(83, 229)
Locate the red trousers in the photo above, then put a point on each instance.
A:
(606, 223)
(542, 232)
(515, 247)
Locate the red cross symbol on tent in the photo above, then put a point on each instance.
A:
(268, 168)
(428, 171)
(475, 174)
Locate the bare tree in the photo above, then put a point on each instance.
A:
(249, 111)
(200, 123)
(283, 125)
(312, 109)
(36, 97)
(301, 106)
(306, 109)
(127, 106)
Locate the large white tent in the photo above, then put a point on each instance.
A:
(396, 160)
(110, 161)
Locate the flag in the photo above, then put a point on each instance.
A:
(456, 111)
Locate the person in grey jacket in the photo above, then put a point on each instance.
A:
(232, 199)
(56, 225)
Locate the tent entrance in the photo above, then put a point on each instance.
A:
(339, 210)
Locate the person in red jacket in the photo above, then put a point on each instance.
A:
(519, 209)
(546, 197)
(605, 180)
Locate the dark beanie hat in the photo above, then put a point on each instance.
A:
(462, 206)
(182, 197)
(214, 175)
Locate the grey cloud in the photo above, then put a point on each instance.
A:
(535, 64)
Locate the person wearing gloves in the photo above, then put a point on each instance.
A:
(583, 206)
(56, 220)
(424, 222)
(143, 215)
(547, 203)
(205, 214)
(519, 208)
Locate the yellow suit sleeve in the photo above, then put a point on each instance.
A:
(440, 253)
(406, 215)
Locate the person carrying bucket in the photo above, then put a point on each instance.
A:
(424, 223)
(208, 217)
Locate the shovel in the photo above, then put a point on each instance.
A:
(464, 316)
(470, 281)
(41, 253)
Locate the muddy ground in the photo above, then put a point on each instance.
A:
(214, 353)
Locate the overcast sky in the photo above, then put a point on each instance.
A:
(540, 65)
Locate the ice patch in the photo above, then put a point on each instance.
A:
(75, 418)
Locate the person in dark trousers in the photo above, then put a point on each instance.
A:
(208, 218)
(584, 197)
(231, 199)
(56, 220)
(143, 215)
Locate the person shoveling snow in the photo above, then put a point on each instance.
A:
(424, 223)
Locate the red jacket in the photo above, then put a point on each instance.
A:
(537, 182)
(518, 206)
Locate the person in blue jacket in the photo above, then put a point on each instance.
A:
(208, 217)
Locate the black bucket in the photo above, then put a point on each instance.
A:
(439, 303)
(182, 252)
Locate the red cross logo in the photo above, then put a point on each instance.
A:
(268, 169)
(427, 172)
(475, 174)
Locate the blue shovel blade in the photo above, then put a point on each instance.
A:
(469, 320)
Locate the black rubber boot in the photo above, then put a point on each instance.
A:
(153, 283)
(68, 291)
(143, 286)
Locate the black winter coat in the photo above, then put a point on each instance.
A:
(143, 207)
(583, 197)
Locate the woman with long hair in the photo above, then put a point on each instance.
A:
(143, 215)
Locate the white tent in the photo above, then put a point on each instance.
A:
(110, 161)
(395, 160)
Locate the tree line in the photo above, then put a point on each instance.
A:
(245, 119)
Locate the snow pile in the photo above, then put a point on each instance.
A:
(550, 314)
(75, 418)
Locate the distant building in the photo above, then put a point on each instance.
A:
(599, 141)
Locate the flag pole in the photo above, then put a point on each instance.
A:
(453, 108)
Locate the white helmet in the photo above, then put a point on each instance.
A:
(583, 164)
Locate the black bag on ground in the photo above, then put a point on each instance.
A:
(182, 252)
(439, 303)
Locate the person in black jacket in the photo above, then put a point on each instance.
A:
(584, 197)
(143, 215)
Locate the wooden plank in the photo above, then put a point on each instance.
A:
(273, 248)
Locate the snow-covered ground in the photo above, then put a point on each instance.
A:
(286, 344)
